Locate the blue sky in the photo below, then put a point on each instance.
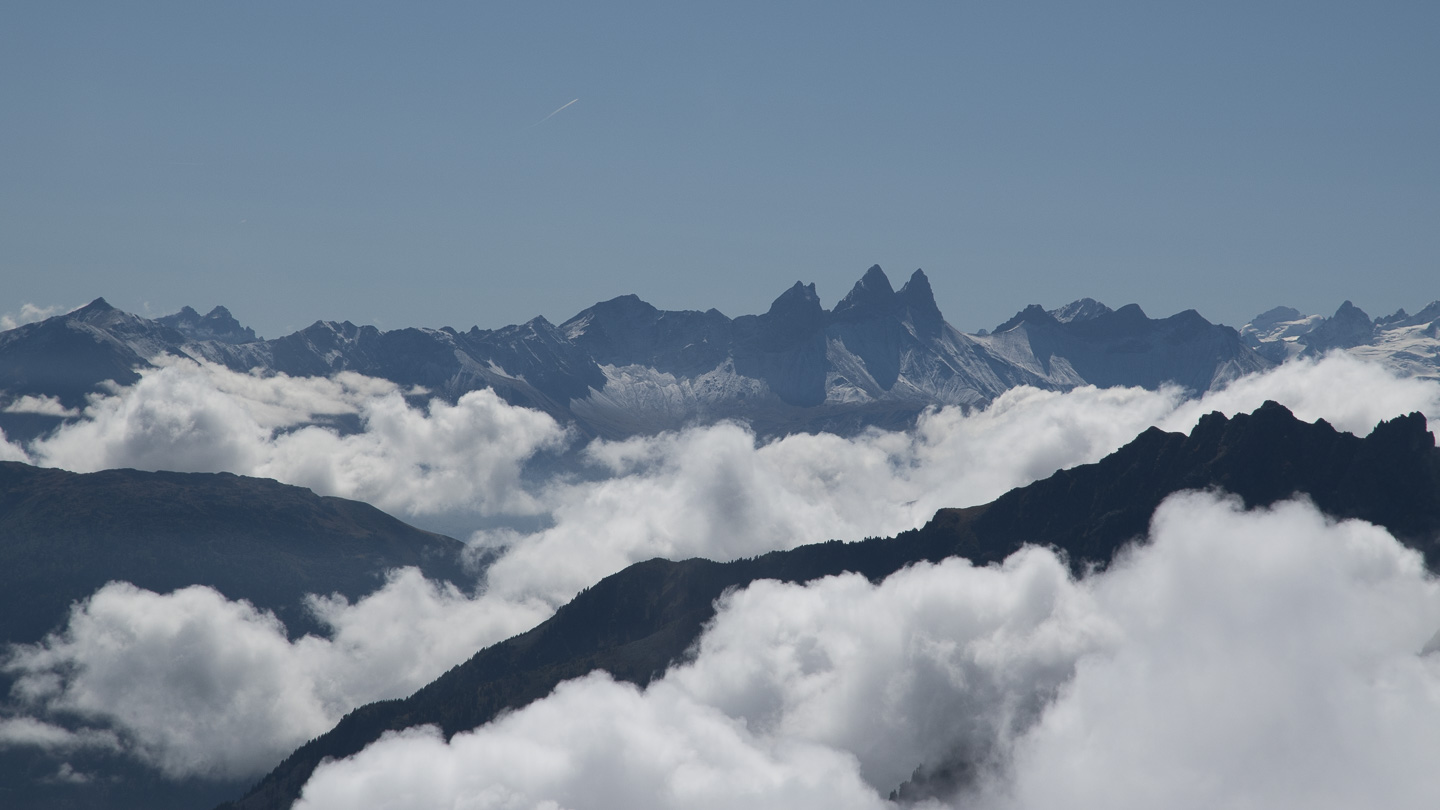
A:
(389, 164)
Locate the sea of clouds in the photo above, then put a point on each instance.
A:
(1006, 666)
(1263, 659)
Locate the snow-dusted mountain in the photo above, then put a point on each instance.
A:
(1409, 344)
(218, 324)
(1087, 342)
(623, 367)
(880, 356)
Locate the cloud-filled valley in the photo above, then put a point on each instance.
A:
(1270, 658)
(497, 407)
(1022, 653)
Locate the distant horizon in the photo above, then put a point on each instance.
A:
(481, 164)
(8, 317)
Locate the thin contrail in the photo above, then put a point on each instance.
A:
(553, 114)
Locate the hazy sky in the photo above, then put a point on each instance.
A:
(394, 164)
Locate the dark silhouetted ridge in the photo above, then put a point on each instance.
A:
(63, 535)
(637, 622)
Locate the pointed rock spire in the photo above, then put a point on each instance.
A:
(799, 300)
(917, 297)
(1348, 327)
(871, 294)
(795, 315)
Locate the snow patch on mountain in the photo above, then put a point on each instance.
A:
(1407, 344)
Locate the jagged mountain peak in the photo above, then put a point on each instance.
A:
(1395, 317)
(1083, 309)
(540, 325)
(870, 294)
(1429, 313)
(341, 329)
(799, 299)
(623, 366)
(1349, 310)
(917, 297)
(1347, 328)
(96, 313)
(218, 324)
(101, 315)
(1030, 314)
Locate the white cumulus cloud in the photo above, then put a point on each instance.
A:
(709, 491)
(198, 685)
(715, 492)
(199, 417)
(1239, 659)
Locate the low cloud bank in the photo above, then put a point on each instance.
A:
(197, 685)
(1268, 659)
(712, 492)
(199, 417)
(709, 491)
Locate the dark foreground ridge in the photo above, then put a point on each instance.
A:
(63, 535)
(634, 624)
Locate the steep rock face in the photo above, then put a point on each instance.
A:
(866, 327)
(634, 624)
(785, 347)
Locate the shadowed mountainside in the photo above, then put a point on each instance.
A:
(64, 534)
(637, 622)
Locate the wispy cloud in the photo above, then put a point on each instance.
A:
(29, 313)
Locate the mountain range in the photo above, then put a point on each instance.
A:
(636, 623)
(623, 367)
(1408, 344)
